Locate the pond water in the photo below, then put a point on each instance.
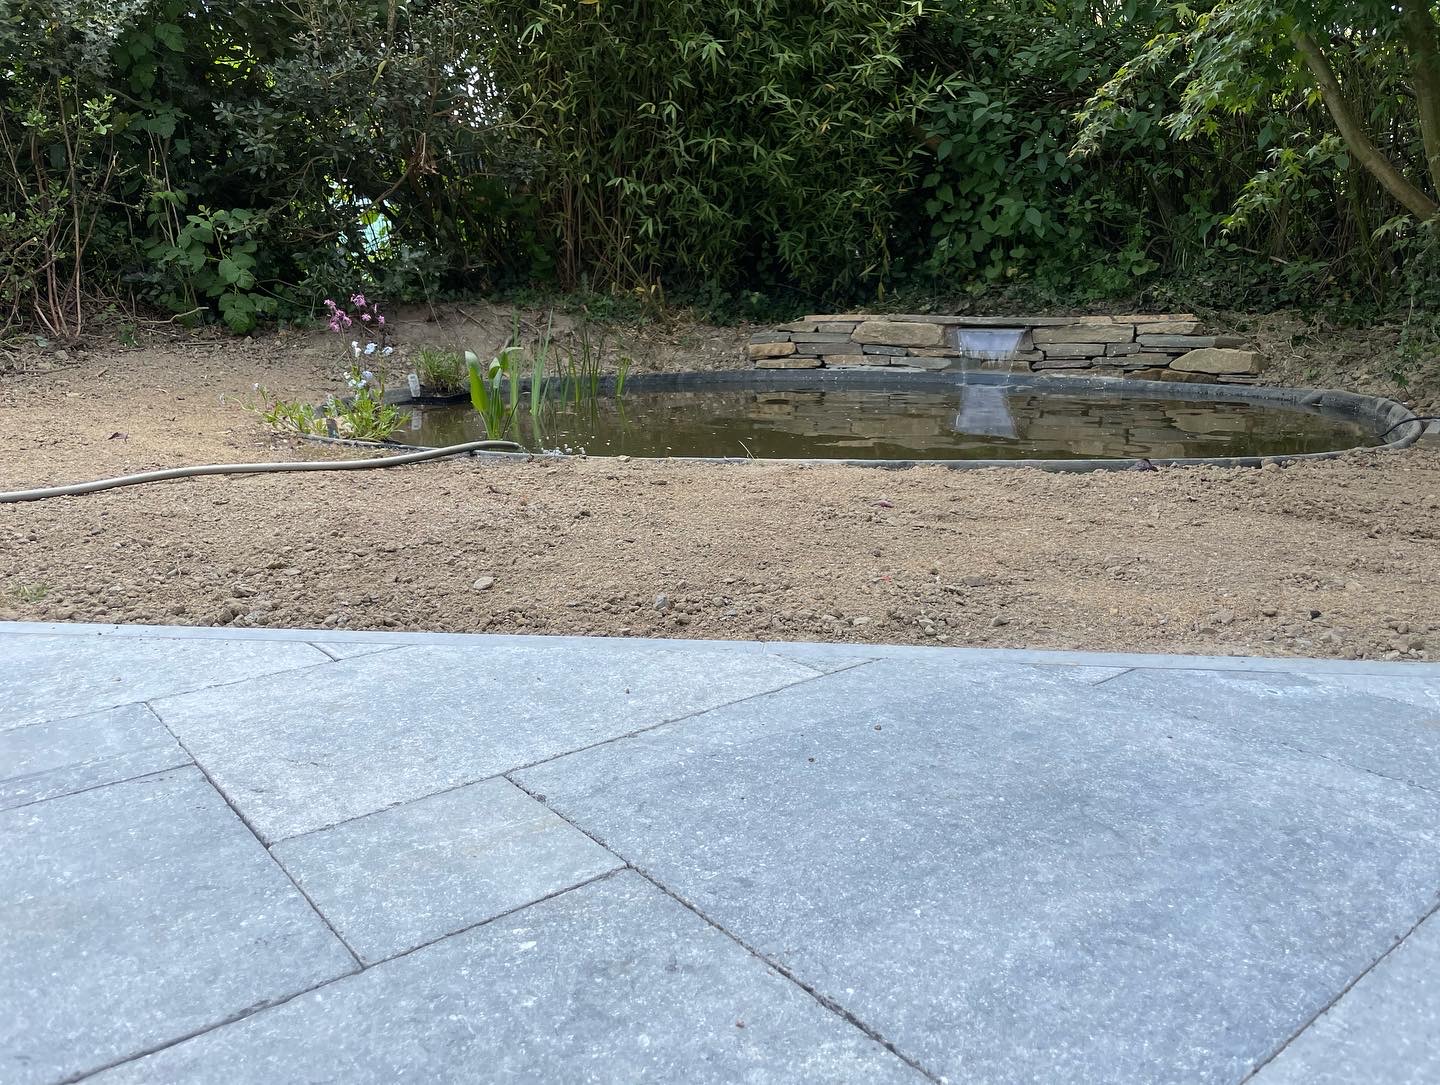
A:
(956, 423)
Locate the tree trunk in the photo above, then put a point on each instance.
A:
(1421, 41)
(1353, 132)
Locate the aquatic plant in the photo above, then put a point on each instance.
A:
(441, 371)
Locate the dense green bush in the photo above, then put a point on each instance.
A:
(240, 161)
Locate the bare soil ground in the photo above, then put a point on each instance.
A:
(1338, 559)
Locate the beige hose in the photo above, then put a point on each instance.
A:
(255, 469)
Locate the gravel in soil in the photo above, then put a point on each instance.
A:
(1337, 558)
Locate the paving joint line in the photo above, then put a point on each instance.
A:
(1432, 910)
(225, 798)
(251, 1011)
(824, 1000)
(100, 787)
(1112, 677)
(504, 774)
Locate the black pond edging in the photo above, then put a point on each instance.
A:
(1375, 412)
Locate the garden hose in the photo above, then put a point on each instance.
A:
(1406, 421)
(256, 469)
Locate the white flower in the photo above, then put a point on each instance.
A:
(369, 348)
(388, 351)
(367, 375)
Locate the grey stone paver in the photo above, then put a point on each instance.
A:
(610, 982)
(47, 678)
(1423, 693)
(397, 879)
(1016, 877)
(1010, 872)
(298, 752)
(351, 649)
(134, 914)
(1379, 726)
(46, 760)
(1383, 1031)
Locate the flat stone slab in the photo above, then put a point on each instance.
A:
(1384, 1031)
(46, 678)
(137, 914)
(1381, 726)
(304, 751)
(614, 981)
(46, 760)
(397, 879)
(1017, 877)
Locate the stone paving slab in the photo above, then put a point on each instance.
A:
(1384, 1031)
(50, 677)
(1360, 722)
(1019, 878)
(136, 914)
(856, 652)
(47, 760)
(611, 982)
(394, 880)
(299, 752)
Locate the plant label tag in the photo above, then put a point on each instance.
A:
(414, 381)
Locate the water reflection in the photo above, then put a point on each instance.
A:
(976, 422)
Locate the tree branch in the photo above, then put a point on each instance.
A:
(1353, 132)
(1418, 26)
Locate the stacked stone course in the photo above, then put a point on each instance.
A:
(1167, 347)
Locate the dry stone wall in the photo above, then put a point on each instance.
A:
(1168, 347)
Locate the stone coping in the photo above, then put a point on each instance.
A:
(828, 651)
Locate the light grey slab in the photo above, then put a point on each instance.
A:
(351, 649)
(50, 677)
(397, 879)
(45, 760)
(1016, 877)
(302, 751)
(1384, 1031)
(1359, 722)
(856, 652)
(135, 914)
(1423, 693)
(613, 982)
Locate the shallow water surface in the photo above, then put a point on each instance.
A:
(962, 422)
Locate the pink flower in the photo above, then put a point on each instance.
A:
(380, 320)
(357, 299)
(365, 317)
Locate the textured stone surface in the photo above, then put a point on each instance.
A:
(881, 348)
(794, 361)
(843, 360)
(1384, 1031)
(403, 877)
(135, 914)
(611, 982)
(1218, 360)
(1172, 327)
(1398, 738)
(45, 760)
(1175, 342)
(770, 350)
(1073, 350)
(899, 333)
(299, 752)
(1168, 375)
(1085, 333)
(46, 678)
(1184, 897)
